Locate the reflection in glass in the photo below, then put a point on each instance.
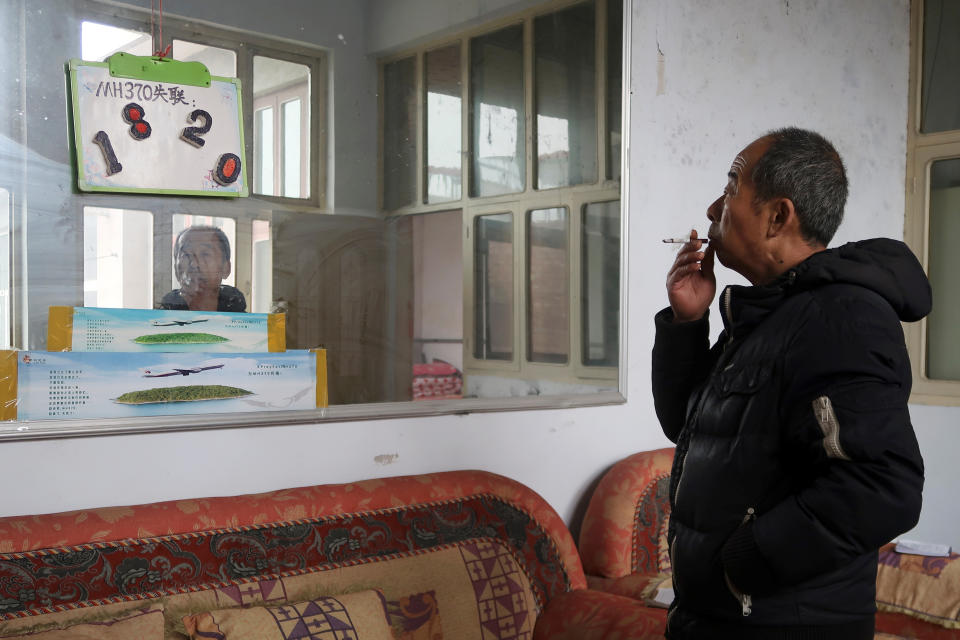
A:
(218, 61)
(444, 95)
(941, 57)
(291, 149)
(261, 284)
(600, 283)
(614, 82)
(281, 145)
(548, 293)
(493, 287)
(100, 41)
(117, 258)
(263, 150)
(497, 113)
(565, 96)
(943, 349)
(399, 134)
(438, 288)
(5, 324)
(229, 227)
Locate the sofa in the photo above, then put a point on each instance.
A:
(456, 555)
(623, 550)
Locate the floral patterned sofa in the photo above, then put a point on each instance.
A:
(623, 549)
(456, 555)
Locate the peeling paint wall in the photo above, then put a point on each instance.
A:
(707, 78)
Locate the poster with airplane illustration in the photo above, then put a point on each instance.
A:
(64, 385)
(158, 331)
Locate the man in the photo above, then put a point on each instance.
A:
(201, 262)
(795, 457)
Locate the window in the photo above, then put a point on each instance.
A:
(933, 197)
(117, 258)
(541, 212)
(281, 134)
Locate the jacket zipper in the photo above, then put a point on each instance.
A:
(745, 599)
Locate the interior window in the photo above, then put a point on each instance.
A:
(497, 113)
(943, 348)
(261, 285)
(941, 57)
(600, 283)
(399, 133)
(548, 291)
(438, 288)
(566, 97)
(281, 137)
(100, 41)
(219, 61)
(443, 123)
(493, 287)
(117, 258)
(6, 212)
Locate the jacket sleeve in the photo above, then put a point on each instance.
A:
(847, 431)
(680, 363)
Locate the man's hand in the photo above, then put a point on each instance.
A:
(691, 283)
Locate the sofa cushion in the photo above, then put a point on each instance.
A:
(924, 587)
(361, 615)
(594, 615)
(144, 623)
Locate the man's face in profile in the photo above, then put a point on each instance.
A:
(200, 263)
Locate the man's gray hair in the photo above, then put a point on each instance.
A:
(216, 231)
(803, 166)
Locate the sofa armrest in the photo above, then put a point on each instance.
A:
(625, 525)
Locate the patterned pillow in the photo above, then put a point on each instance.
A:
(924, 587)
(144, 624)
(361, 615)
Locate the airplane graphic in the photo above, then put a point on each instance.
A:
(178, 371)
(177, 323)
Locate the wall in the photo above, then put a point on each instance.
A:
(707, 79)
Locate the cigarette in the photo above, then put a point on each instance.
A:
(684, 240)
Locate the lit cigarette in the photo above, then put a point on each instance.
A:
(685, 240)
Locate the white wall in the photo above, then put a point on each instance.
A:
(707, 79)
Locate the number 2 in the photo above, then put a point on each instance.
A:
(192, 134)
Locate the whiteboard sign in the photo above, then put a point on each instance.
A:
(147, 136)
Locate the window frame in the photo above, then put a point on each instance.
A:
(923, 149)
(573, 198)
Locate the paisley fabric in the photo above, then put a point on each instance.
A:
(593, 615)
(624, 527)
(350, 616)
(166, 550)
(921, 586)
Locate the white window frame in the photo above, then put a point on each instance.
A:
(923, 149)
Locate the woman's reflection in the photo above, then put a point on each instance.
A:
(202, 261)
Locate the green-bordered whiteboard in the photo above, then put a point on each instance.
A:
(151, 125)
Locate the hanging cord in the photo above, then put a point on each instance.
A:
(154, 41)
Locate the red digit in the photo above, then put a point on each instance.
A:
(228, 169)
(133, 114)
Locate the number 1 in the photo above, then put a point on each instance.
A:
(103, 141)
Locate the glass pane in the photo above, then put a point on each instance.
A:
(227, 225)
(100, 41)
(291, 149)
(940, 92)
(600, 286)
(437, 291)
(263, 152)
(614, 82)
(5, 309)
(219, 62)
(493, 287)
(497, 113)
(281, 143)
(943, 323)
(117, 258)
(444, 94)
(399, 134)
(261, 293)
(566, 97)
(548, 292)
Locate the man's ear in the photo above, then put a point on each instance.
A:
(783, 217)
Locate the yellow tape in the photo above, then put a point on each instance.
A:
(8, 385)
(60, 329)
(277, 332)
(322, 397)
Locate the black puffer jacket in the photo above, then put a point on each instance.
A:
(795, 454)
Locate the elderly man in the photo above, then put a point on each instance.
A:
(202, 261)
(796, 459)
